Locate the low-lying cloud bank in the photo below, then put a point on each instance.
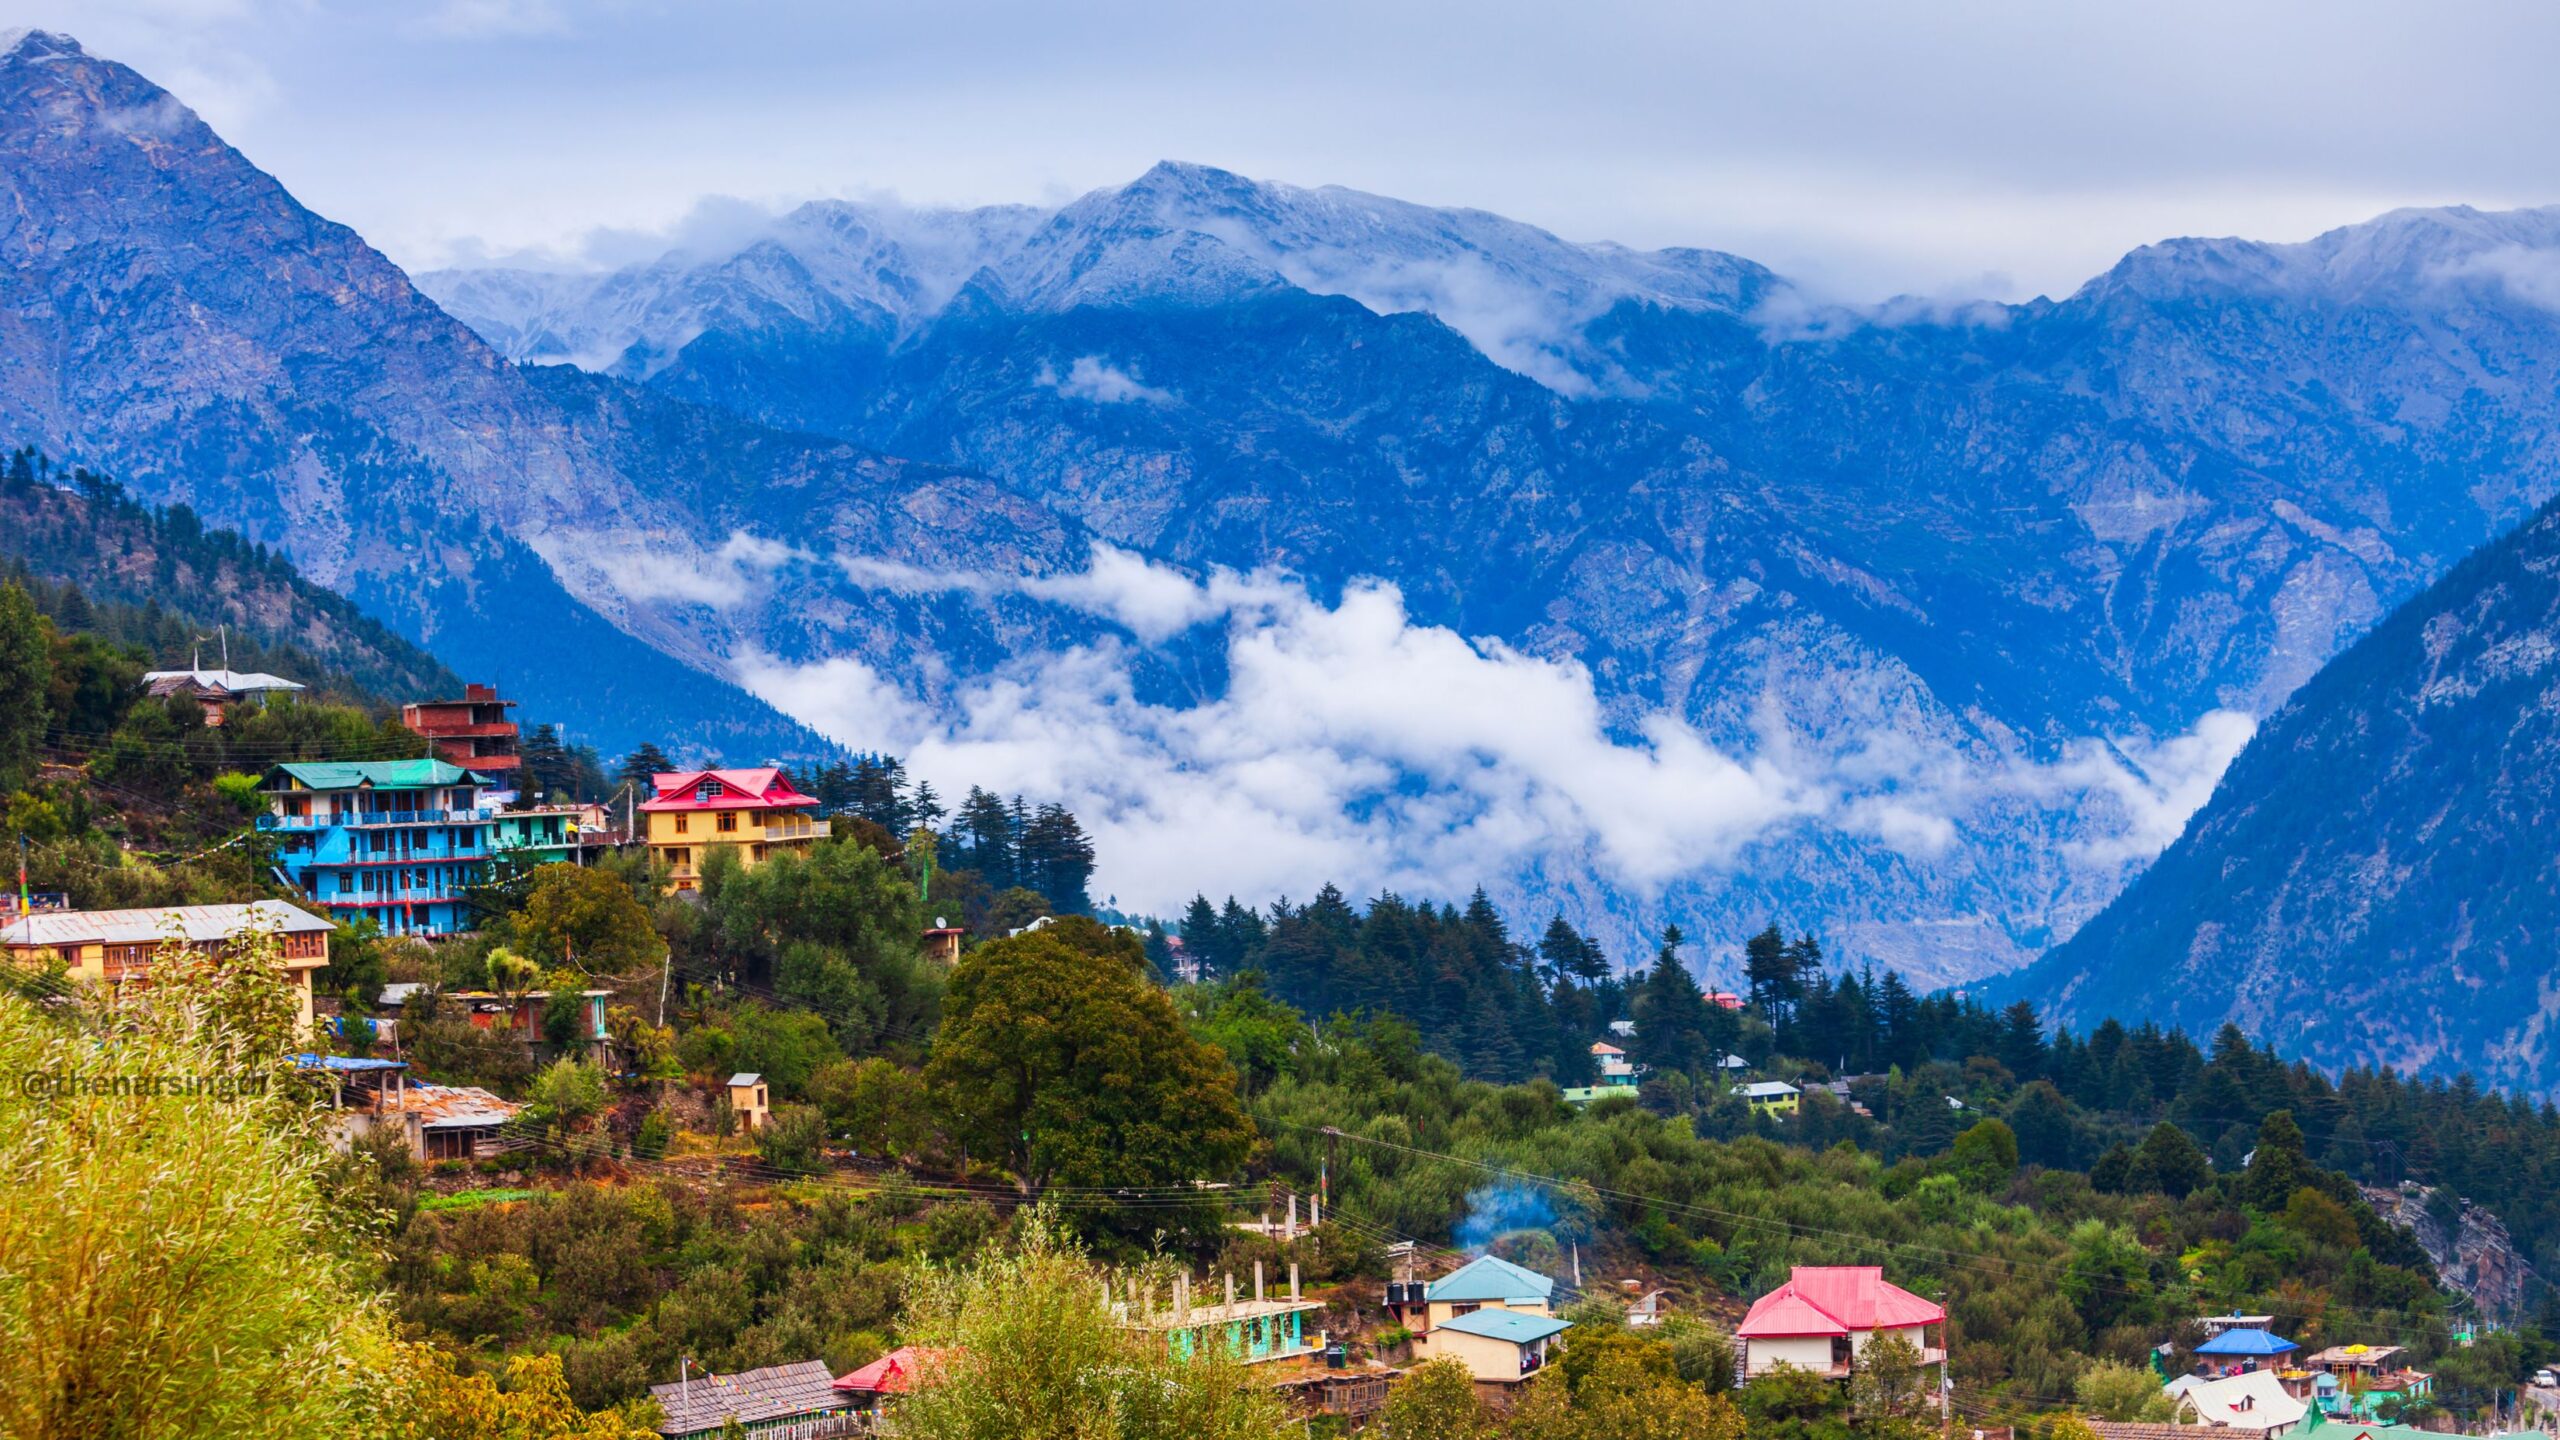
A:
(1354, 745)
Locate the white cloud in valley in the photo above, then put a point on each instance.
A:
(1352, 744)
(1093, 378)
(724, 578)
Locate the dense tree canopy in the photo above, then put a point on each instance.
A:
(1059, 1059)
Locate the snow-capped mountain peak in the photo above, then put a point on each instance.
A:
(1179, 234)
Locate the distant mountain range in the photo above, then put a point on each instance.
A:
(2376, 882)
(1922, 626)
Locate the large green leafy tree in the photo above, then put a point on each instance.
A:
(589, 918)
(1056, 1057)
(837, 931)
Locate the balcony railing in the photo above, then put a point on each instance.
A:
(362, 819)
(789, 829)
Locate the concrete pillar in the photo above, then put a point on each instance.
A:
(1231, 1292)
(1257, 1282)
(1293, 1215)
(1293, 1282)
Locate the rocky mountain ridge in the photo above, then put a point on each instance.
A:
(1420, 545)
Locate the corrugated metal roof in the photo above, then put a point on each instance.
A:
(1850, 1297)
(194, 924)
(776, 1392)
(393, 774)
(2246, 1340)
(762, 788)
(236, 681)
(892, 1374)
(1508, 1325)
(457, 1107)
(346, 1063)
(1490, 1277)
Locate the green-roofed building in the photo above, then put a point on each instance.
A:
(397, 841)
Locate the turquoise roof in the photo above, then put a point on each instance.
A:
(1490, 1277)
(380, 774)
(1508, 1325)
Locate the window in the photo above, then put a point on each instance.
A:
(708, 790)
(728, 820)
(682, 823)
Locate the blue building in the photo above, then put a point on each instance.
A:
(394, 840)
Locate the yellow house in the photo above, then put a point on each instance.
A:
(116, 947)
(1770, 1097)
(755, 813)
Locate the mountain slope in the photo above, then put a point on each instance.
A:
(178, 576)
(2375, 882)
(1999, 582)
(171, 315)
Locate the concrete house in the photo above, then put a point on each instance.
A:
(1826, 1314)
(1487, 1282)
(400, 841)
(754, 814)
(1499, 1347)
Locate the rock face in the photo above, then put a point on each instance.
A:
(2472, 1255)
(2376, 881)
(1918, 627)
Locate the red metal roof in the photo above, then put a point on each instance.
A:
(891, 1374)
(1836, 1300)
(762, 788)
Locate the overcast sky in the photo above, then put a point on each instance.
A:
(1867, 146)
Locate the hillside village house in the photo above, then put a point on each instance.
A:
(1618, 1075)
(1770, 1097)
(2355, 1380)
(779, 1402)
(116, 947)
(2255, 1400)
(1500, 1347)
(436, 1122)
(2240, 1349)
(750, 1100)
(397, 840)
(1253, 1329)
(472, 732)
(1825, 1315)
(873, 1387)
(216, 691)
(754, 813)
(1487, 1282)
